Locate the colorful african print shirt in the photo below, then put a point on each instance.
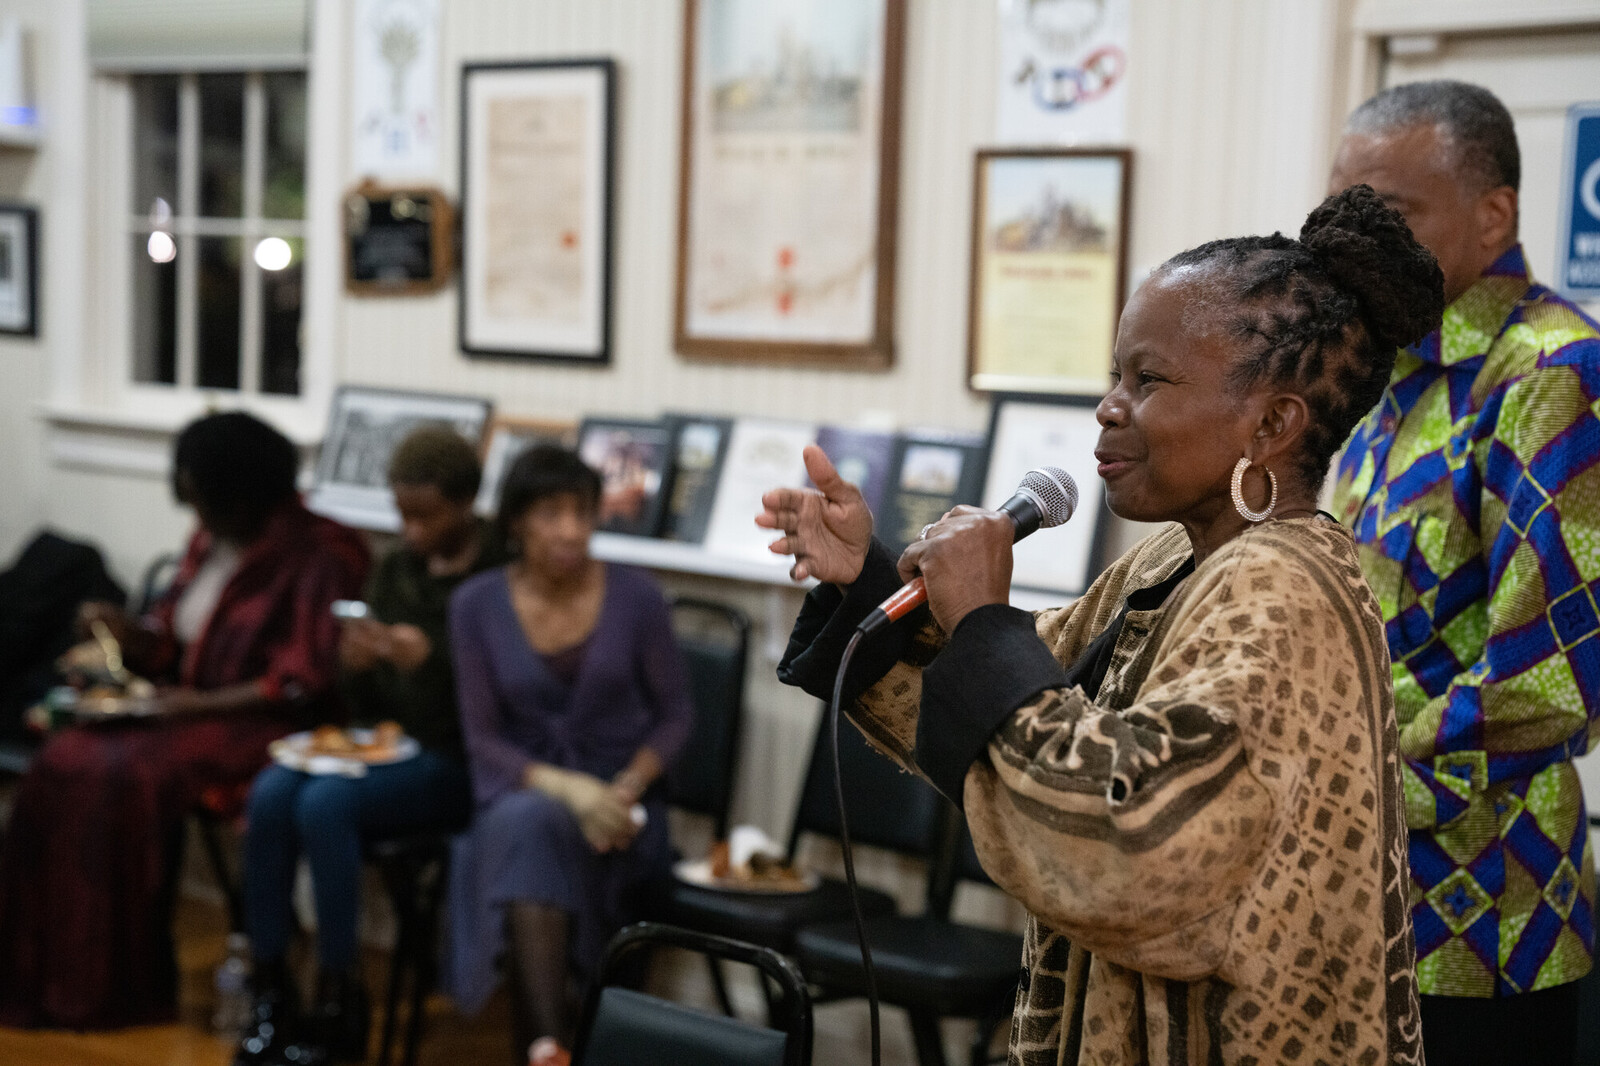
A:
(1473, 490)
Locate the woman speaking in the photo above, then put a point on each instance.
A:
(1188, 776)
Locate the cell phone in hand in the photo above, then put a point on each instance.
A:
(348, 609)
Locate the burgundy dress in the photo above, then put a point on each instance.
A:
(86, 871)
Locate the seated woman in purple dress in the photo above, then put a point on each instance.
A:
(573, 699)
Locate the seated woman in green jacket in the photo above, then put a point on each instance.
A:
(396, 665)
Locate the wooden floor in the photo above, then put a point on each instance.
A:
(449, 1038)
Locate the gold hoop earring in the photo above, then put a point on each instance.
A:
(1238, 493)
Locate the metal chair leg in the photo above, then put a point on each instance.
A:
(219, 869)
(398, 964)
(719, 985)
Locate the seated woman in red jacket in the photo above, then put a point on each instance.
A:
(248, 650)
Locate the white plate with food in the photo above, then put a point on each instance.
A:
(760, 873)
(347, 752)
(103, 703)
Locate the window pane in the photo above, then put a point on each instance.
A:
(285, 192)
(221, 145)
(155, 142)
(155, 308)
(217, 335)
(280, 324)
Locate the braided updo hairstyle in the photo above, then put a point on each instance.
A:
(1322, 316)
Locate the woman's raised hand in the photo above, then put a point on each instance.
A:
(827, 529)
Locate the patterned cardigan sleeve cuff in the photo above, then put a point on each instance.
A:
(993, 664)
(828, 620)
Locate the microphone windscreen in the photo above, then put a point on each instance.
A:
(1055, 491)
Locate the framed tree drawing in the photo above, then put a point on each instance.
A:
(790, 154)
(536, 178)
(1049, 267)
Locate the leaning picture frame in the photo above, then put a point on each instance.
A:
(1027, 432)
(789, 160)
(365, 425)
(537, 143)
(504, 443)
(1049, 268)
(19, 270)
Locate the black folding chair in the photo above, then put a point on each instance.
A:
(927, 964)
(622, 1027)
(415, 871)
(715, 640)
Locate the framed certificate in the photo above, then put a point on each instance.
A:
(790, 153)
(536, 148)
(1026, 432)
(1049, 269)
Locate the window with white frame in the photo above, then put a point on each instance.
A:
(217, 230)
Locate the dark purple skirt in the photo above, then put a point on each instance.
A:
(527, 847)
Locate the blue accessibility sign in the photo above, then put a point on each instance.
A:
(1579, 258)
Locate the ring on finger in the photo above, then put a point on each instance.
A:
(924, 534)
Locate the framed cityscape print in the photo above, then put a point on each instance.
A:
(536, 178)
(1049, 269)
(790, 155)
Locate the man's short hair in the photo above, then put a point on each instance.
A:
(438, 456)
(1477, 125)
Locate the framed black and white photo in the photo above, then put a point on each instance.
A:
(19, 270)
(1027, 432)
(536, 177)
(365, 426)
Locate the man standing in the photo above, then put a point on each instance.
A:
(1473, 490)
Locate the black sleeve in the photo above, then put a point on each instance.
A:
(993, 664)
(828, 620)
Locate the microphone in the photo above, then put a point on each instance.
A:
(1046, 498)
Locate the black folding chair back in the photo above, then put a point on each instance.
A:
(715, 639)
(927, 964)
(621, 1027)
(887, 807)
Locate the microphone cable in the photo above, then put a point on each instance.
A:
(835, 710)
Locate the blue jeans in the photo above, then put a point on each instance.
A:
(328, 819)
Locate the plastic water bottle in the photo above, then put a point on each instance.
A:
(232, 982)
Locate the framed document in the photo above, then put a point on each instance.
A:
(19, 270)
(1049, 269)
(536, 176)
(761, 455)
(790, 152)
(507, 439)
(631, 458)
(1031, 431)
(364, 427)
(397, 242)
(931, 472)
